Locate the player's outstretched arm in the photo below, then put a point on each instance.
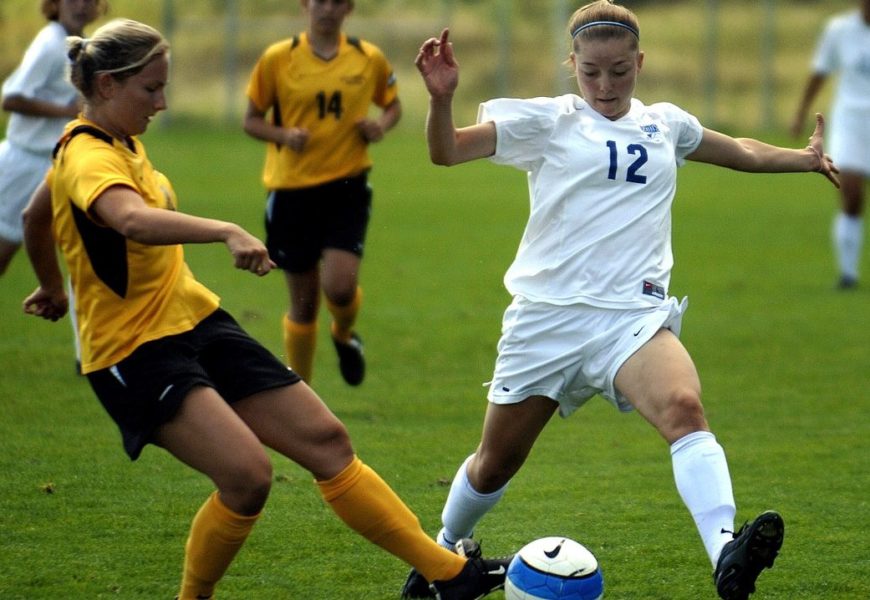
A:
(447, 144)
(754, 156)
(124, 210)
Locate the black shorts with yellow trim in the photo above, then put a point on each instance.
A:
(302, 223)
(146, 389)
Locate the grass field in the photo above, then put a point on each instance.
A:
(783, 358)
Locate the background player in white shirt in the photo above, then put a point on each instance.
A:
(591, 312)
(41, 100)
(844, 48)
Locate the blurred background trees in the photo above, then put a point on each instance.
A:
(734, 63)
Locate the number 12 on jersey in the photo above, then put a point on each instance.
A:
(640, 159)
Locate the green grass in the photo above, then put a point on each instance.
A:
(782, 356)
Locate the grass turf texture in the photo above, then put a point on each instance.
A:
(782, 356)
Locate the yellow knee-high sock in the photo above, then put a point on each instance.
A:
(369, 506)
(344, 317)
(300, 340)
(216, 535)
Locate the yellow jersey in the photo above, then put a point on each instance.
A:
(326, 97)
(126, 293)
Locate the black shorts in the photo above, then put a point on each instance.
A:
(301, 223)
(146, 389)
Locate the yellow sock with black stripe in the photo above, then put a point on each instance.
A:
(216, 535)
(370, 507)
(344, 317)
(300, 341)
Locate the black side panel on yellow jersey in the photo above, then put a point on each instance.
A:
(106, 248)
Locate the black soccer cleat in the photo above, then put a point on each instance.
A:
(479, 577)
(753, 549)
(416, 585)
(350, 359)
(847, 282)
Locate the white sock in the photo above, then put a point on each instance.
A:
(848, 237)
(465, 506)
(704, 484)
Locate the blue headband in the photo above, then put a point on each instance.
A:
(610, 23)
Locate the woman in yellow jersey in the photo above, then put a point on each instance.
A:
(167, 363)
(309, 98)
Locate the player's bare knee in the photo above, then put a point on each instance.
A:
(246, 488)
(489, 475)
(334, 434)
(341, 295)
(685, 411)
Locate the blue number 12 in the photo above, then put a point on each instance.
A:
(632, 175)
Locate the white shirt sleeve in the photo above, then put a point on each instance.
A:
(686, 130)
(523, 129)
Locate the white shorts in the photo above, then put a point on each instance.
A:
(21, 172)
(848, 140)
(571, 353)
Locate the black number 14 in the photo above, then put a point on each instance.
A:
(331, 105)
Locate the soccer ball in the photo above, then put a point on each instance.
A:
(554, 568)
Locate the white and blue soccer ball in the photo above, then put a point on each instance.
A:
(554, 568)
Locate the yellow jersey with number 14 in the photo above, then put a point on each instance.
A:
(326, 97)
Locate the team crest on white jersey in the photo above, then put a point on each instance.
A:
(652, 131)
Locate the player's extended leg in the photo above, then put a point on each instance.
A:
(661, 382)
(295, 422)
(340, 279)
(207, 435)
(300, 324)
(509, 432)
(848, 229)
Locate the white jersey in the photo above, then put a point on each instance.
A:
(42, 75)
(844, 47)
(599, 229)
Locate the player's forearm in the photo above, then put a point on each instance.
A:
(441, 131)
(761, 157)
(391, 115)
(814, 85)
(39, 242)
(260, 129)
(159, 227)
(39, 108)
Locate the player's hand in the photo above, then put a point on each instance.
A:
(249, 253)
(370, 130)
(826, 164)
(45, 304)
(295, 138)
(437, 64)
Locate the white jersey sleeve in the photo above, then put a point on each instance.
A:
(523, 128)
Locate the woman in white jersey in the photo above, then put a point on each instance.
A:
(844, 48)
(591, 312)
(40, 99)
